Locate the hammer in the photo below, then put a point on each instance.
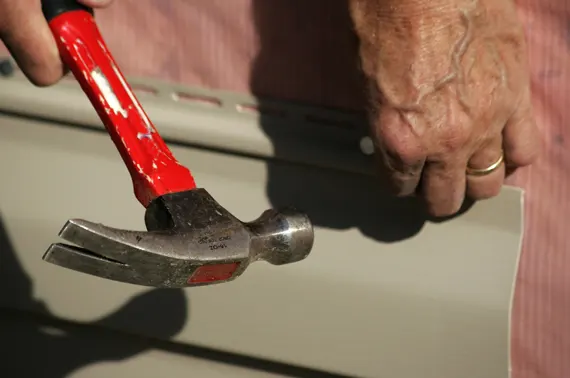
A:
(190, 240)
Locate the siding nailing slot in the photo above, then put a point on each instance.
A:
(144, 90)
(197, 99)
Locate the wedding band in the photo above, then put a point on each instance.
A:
(486, 171)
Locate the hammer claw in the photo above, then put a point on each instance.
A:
(59, 253)
(110, 243)
(85, 261)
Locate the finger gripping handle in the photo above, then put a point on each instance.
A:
(53, 8)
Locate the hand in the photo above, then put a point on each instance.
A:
(449, 88)
(26, 34)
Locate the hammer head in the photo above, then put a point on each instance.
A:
(191, 241)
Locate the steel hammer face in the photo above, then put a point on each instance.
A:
(191, 241)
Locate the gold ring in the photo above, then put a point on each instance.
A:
(486, 171)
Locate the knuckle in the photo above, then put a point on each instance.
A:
(396, 139)
(409, 153)
(453, 138)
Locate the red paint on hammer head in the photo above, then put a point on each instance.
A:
(210, 273)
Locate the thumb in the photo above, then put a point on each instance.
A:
(26, 34)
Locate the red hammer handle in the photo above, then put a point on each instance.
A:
(153, 168)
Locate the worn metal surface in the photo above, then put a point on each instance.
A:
(192, 241)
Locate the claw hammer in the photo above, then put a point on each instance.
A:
(190, 240)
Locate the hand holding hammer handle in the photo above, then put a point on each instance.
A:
(153, 168)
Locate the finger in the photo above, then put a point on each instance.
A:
(396, 178)
(399, 154)
(96, 3)
(490, 184)
(26, 34)
(521, 137)
(443, 186)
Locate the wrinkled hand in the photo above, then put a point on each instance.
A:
(26, 33)
(450, 89)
